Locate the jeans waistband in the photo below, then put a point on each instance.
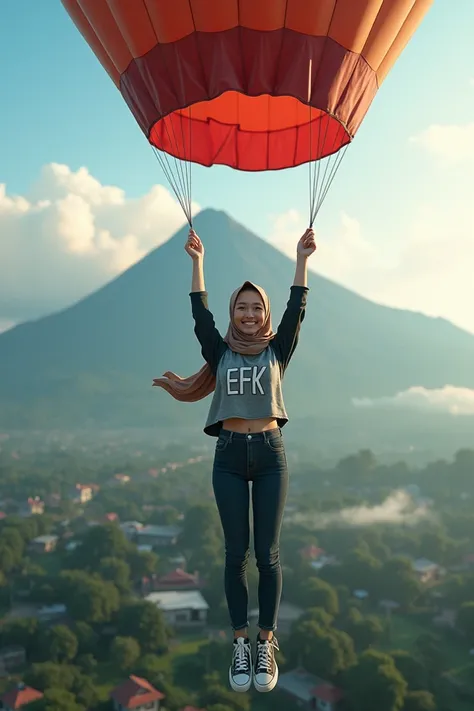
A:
(265, 436)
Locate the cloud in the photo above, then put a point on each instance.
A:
(425, 267)
(339, 256)
(398, 508)
(450, 399)
(452, 143)
(70, 235)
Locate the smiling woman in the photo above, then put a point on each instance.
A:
(244, 371)
(249, 310)
(251, 84)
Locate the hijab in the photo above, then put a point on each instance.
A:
(198, 386)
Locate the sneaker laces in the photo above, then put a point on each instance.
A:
(241, 658)
(265, 657)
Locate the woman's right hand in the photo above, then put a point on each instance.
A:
(194, 247)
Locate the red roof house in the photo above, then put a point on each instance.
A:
(19, 696)
(178, 580)
(329, 695)
(135, 692)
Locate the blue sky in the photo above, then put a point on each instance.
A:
(59, 106)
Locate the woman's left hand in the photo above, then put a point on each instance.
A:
(307, 245)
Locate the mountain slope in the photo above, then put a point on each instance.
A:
(94, 361)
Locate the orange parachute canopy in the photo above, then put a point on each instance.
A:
(251, 84)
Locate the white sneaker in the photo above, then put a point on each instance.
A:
(240, 672)
(266, 668)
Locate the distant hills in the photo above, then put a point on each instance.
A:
(92, 364)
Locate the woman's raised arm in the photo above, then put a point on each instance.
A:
(212, 343)
(195, 248)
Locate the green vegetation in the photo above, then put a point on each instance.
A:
(400, 661)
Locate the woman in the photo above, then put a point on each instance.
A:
(245, 370)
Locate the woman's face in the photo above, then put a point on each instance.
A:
(249, 312)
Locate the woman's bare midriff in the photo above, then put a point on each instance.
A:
(237, 424)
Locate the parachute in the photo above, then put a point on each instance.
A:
(255, 85)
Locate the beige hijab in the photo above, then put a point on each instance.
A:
(198, 386)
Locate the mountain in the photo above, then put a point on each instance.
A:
(93, 363)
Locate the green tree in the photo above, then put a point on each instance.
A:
(144, 622)
(22, 631)
(327, 650)
(318, 615)
(214, 693)
(398, 581)
(11, 538)
(60, 700)
(49, 675)
(420, 701)
(367, 631)
(98, 543)
(87, 662)
(465, 620)
(86, 693)
(142, 563)
(87, 639)
(360, 570)
(124, 652)
(318, 593)
(411, 669)
(201, 524)
(88, 598)
(117, 572)
(7, 559)
(428, 647)
(374, 683)
(61, 643)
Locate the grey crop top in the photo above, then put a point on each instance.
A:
(247, 386)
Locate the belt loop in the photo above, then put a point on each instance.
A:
(231, 436)
(265, 436)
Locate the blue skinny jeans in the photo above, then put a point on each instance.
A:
(240, 459)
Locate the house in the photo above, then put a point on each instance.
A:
(310, 692)
(82, 493)
(43, 544)
(288, 614)
(425, 570)
(119, 480)
(47, 613)
(324, 560)
(21, 695)
(11, 658)
(130, 528)
(181, 608)
(158, 536)
(178, 579)
(33, 506)
(311, 552)
(136, 693)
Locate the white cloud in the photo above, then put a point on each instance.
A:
(449, 399)
(70, 235)
(398, 508)
(451, 143)
(428, 267)
(337, 257)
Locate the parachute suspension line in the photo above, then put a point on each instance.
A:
(319, 187)
(179, 179)
(179, 174)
